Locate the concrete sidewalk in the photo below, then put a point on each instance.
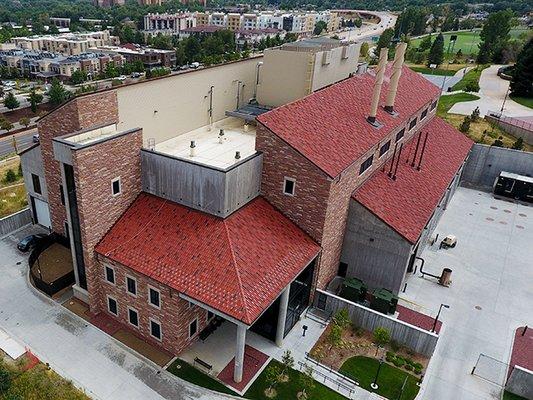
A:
(88, 357)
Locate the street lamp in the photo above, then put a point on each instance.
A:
(374, 385)
(437, 317)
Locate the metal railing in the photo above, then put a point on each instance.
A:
(519, 123)
(349, 388)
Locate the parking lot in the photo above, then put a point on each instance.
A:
(490, 295)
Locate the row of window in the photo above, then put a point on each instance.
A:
(154, 295)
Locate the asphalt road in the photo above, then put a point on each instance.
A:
(368, 31)
(23, 139)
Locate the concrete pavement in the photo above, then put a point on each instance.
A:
(23, 140)
(490, 295)
(492, 92)
(88, 357)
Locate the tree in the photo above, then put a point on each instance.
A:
(436, 53)
(6, 125)
(364, 49)
(494, 36)
(272, 377)
(10, 176)
(25, 121)
(385, 39)
(288, 362)
(342, 318)
(381, 336)
(57, 93)
(498, 142)
(522, 75)
(53, 29)
(78, 76)
(475, 114)
(518, 144)
(35, 98)
(319, 27)
(425, 44)
(307, 382)
(465, 125)
(335, 336)
(11, 101)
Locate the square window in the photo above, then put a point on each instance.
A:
(366, 164)
(155, 329)
(131, 285)
(110, 274)
(36, 184)
(112, 305)
(154, 297)
(412, 124)
(434, 105)
(289, 186)
(424, 113)
(115, 187)
(384, 148)
(210, 315)
(193, 328)
(400, 134)
(133, 317)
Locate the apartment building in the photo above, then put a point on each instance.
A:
(151, 58)
(167, 24)
(185, 209)
(68, 44)
(108, 3)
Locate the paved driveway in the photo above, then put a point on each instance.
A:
(76, 350)
(490, 296)
(492, 93)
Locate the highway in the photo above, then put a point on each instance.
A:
(368, 30)
(23, 139)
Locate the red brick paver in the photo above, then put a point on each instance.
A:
(522, 354)
(253, 361)
(418, 319)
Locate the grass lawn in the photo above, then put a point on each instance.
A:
(510, 396)
(525, 101)
(447, 102)
(189, 373)
(470, 77)
(289, 390)
(12, 200)
(390, 380)
(436, 71)
(37, 383)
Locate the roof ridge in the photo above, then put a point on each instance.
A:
(237, 272)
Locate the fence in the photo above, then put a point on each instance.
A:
(514, 126)
(15, 221)
(50, 288)
(410, 336)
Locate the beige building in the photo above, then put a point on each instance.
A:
(297, 69)
(202, 19)
(233, 21)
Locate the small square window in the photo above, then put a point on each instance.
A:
(193, 328)
(116, 186)
(424, 114)
(110, 274)
(400, 134)
(366, 164)
(412, 124)
(133, 317)
(112, 305)
(131, 285)
(155, 329)
(289, 185)
(384, 148)
(36, 184)
(154, 297)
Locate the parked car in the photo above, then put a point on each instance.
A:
(184, 67)
(121, 78)
(136, 74)
(35, 138)
(195, 65)
(29, 242)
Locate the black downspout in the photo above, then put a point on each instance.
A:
(392, 162)
(423, 150)
(416, 149)
(397, 162)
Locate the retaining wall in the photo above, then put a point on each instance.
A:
(520, 382)
(15, 221)
(486, 162)
(514, 129)
(407, 335)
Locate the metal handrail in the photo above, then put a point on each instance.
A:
(340, 385)
(331, 370)
(510, 120)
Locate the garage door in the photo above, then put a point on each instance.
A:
(42, 214)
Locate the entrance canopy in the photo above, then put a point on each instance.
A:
(238, 265)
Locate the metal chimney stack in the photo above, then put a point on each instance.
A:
(395, 77)
(192, 148)
(380, 72)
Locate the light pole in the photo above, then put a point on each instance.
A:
(504, 100)
(437, 317)
(453, 38)
(374, 385)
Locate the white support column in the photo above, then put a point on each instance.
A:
(282, 315)
(239, 353)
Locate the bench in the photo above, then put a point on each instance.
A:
(207, 366)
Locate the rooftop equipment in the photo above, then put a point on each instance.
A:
(192, 147)
(384, 301)
(514, 186)
(353, 289)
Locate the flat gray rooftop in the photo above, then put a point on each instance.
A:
(490, 296)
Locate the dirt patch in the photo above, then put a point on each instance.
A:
(77, 307)
(53, 263)
(158, 356)
(357, 342)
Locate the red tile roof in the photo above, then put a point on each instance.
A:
(237, 265)
(329, 126)
(407, 203)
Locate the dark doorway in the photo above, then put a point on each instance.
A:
(343, 269)
(412, 259)
(267, 323)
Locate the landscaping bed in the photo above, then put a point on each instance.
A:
(12, 190)
(470, 82)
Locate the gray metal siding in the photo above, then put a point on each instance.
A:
(207, 189)
(15, 221)
(32, 163)
(373, 251)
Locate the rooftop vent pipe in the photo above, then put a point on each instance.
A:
(192, 148)
(237, 155)
(380, 71)
(395, 78)
(221, 136)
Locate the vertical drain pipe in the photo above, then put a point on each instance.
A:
(422, 152)
(380, 72)
(397, 162)
(210, 109)
(392, 162)
(416, 149)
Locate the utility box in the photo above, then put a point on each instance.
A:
(353, 289)
(384, 301)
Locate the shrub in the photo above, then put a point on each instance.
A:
(465, 125)
(475, 114)
(335, 336)
(381, 336)
(394, 345)
(417, 371)
(409, 361)
(389, 356)
(10, 176)
(472, 87)
(418, 366)
(398, 361)
(342, 318)
(408, 367)
(5, 379)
